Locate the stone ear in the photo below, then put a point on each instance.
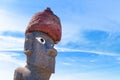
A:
(28, 44)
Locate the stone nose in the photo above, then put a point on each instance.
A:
(52, 52)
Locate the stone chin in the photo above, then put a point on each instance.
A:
(41, 55)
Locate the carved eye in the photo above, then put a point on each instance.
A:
(41, 40)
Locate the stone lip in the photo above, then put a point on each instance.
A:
(47, 22)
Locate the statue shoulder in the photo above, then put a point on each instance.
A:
(22, 70)
(20, 73)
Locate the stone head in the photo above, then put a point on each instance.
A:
(40, 51)
(43, 31)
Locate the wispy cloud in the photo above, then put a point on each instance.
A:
(66, 63)
(12, 21)
(99, 75)
(9, 61)
(87, 51)
(91, 40)
(11, 58)
(118, 58)
(11, 43)
(16, 34)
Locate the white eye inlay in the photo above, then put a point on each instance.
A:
(41, 40)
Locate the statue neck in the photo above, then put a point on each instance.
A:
(38, 72)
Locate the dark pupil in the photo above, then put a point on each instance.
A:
(42, 40)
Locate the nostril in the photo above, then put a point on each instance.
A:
(52, 52)
(27, 52)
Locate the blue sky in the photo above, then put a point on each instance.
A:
(89, 49)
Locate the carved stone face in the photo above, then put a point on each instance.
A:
(39, 48)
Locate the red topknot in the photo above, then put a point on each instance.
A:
(47, 22)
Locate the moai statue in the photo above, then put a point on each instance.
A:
(43, 31)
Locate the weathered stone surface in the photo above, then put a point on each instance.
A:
(40, 51)
(40, 60)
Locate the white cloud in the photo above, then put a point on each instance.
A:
(72, 33)
(85, 76)
(8, 63)
(11, 43)
(93, 60)
(88, 51)
(71, 59)
(66, 63)
(11, 58)
(12, 21)
(118, 58)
